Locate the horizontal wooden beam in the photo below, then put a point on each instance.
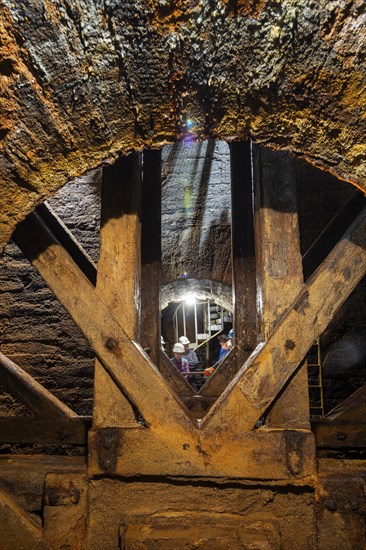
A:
(31, 430)
(124, 360)
(20, 384)
(339, 434)
(265, 373)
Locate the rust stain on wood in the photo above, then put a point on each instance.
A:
(108, 445)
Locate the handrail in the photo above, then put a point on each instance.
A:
(208, 339)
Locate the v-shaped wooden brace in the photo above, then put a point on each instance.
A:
(168, 438)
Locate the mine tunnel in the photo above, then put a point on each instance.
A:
(169, 190)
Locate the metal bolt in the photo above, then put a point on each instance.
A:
(330, 504)
(111, 344)
(354, 503)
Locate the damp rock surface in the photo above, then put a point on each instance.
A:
(81, 81)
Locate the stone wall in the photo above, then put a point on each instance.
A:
(37, 333)
(196, 211)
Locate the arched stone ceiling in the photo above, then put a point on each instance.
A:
(82, 81)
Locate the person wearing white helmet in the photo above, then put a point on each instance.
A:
(189, 354)
(162, 343)
(181, 363)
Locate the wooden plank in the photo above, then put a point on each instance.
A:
(20, 384)
(68, 241)
(151, 254)
(332, 233)
(18, 528)
(352, 409)
(279, 268)
(218, 381)
(31, 430)
(118, 279)
(264, 454)
(123, 359)
(174, 378)
(339, 434)
(265, 373)
(243, 248)
(244, 273)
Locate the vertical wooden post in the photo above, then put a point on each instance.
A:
(151, 253)
(118, 278)
(243, 248)
(279, 267)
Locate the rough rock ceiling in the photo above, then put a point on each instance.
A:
(81, 81)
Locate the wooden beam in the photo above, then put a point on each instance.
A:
(174, 378)
(20, 384)
(118, 279)
(31, 430)
(123, 359)
(279, 268)
(339, 434)
(244, 273)
(332, 233)
(266, 372)
(151, 254)
(220, 378)
(243, 247)
(352, 409)
(68, 241)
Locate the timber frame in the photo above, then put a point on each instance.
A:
(147, 420)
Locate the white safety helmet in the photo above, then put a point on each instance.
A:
(184, 340)
(178, 348)
(162, 343)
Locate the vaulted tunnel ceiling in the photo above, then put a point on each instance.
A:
(82, 81)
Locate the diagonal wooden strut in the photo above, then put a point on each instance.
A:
(20, 384)
(123, 359)
(263, 376)
(68, 241)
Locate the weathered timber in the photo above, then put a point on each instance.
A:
(279, 267)
(339, 434)
(243, 248)
(18, 526)
(24, 475)
(20, 384)
(124, 360)
(174, 378)
(151, 254)
(353, 408)
(268, 369)
(264, 454)
(332, 233)
(118, 279)
(68, 241)
(31, 430)
(244, 275)
(225, 372)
